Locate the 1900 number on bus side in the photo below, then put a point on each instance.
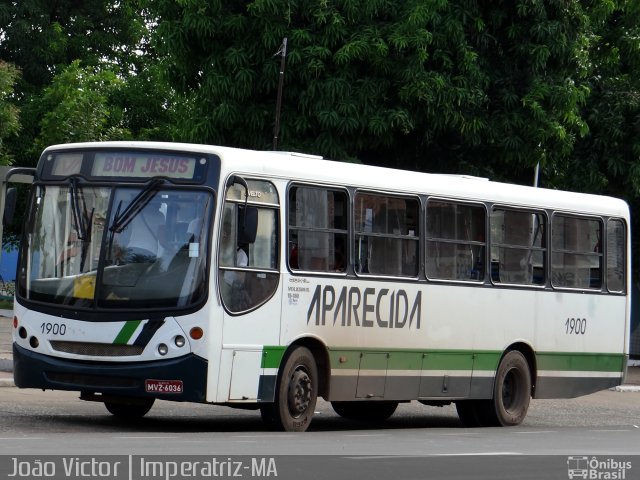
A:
(576, 326)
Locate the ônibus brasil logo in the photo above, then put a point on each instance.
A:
(593, 468)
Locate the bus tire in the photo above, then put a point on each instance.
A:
(130, 411)
(365, 411)
(511, 392)
(296, 393)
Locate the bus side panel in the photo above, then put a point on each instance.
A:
(243, 339)
(386, 340)
(401, 340)
(581, 346)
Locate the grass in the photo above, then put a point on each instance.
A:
(6, 304)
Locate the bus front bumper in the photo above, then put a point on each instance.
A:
(185, 375)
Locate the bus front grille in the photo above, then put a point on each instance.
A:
(96, 349)
(87, 380)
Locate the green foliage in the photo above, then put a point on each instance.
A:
(422, 84)
(9, 121)
(79, 108)
(42, 37)
(484, 87)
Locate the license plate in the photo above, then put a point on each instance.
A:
(163, 386)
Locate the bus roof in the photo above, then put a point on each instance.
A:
(312, 168)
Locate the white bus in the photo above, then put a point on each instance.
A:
(266, 280)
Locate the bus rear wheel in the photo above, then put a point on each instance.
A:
(511, 396)
(130, 411)
(296, 394)
(365, 411)
(512, 390)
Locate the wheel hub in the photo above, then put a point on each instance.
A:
(509, 389)
(299, 393)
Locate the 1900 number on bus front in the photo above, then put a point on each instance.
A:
(54, 328)
(575, 326)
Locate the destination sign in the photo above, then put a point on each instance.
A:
(67, 164)
(142, 164)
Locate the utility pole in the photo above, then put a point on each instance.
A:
(283, 53)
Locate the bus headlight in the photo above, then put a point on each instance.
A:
(179, 341)
(163, 349)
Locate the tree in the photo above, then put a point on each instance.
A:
(607, 161)
(42, 38)
(422, 85)
(9, 121)
(80, 107)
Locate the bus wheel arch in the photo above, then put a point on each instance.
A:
(297, 388)
(321, 356)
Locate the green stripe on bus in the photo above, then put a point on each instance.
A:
(345, 358)
(126, 332)
(418, 359)
(580, 362)
(272, 356)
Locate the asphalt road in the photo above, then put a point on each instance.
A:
(418, 442)
(59, 423)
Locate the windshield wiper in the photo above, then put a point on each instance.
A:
(81, 218)
(122, 219)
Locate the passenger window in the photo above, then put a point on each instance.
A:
(317, 229)
(248, 274)
(616, 255)
(456, 241)
(518, 247)
(386, 235)
(576, 258)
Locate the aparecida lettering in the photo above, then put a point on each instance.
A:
(367, 308)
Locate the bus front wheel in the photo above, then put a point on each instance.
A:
(365, 411)
(296, 394)
(130, 411)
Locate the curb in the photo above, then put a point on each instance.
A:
(626, 388)
(6, 382)
(6, 373)
(6, 365)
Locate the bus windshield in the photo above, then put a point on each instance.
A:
(102, 247)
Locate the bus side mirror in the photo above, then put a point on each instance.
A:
(247, 224)
(9, 206)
